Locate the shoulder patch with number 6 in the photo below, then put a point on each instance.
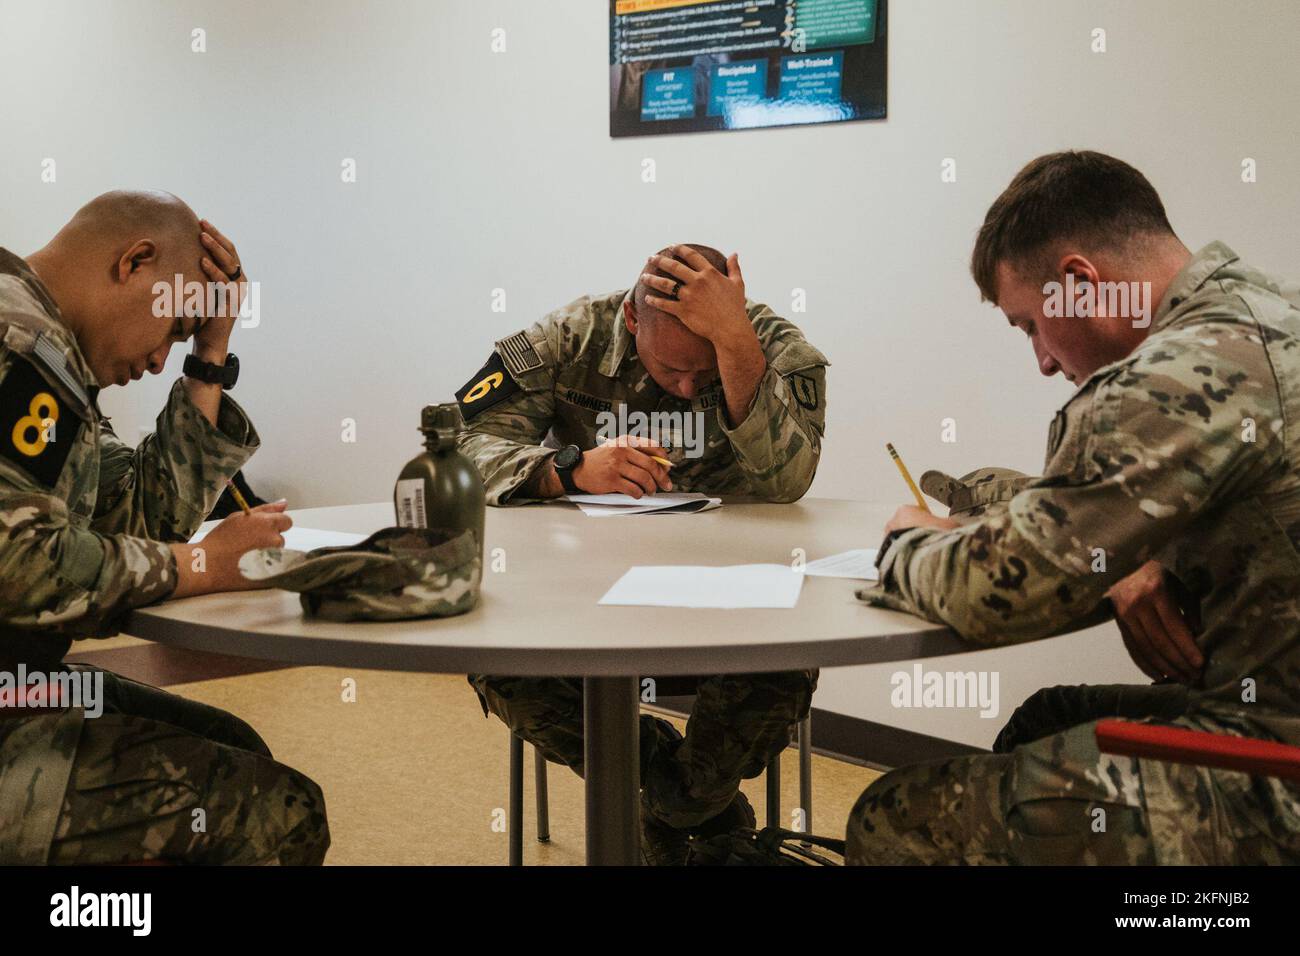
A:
(37, 430)
(491, 385)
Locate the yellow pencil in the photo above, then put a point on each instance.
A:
(907, 477)
(239, 499)
(663, 461)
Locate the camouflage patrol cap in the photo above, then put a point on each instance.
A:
(396, 573)
(970, 495)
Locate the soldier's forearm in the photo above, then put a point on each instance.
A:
(206, 396)
(543, 483)
(165, 487)
(777, 445)
(201, 572)
(510, 468)
(986, 582)
(741, 367)
(788, 482)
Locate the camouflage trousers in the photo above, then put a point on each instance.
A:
(159, 777)
(738, 723)
(1048, 796)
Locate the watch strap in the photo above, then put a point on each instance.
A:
(566, 477)
(223, 375)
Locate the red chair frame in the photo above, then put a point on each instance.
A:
(1261, 758)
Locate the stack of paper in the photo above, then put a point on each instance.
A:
(300, 539)
(859, 564)
(663, 503)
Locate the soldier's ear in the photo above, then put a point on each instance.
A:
(629, 317)
(141, 253)
(1078, 266)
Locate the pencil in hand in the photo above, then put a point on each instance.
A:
(907, 477)
(239, 499)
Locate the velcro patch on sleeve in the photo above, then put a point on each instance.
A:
(518, 353)
(37, 429)
(492, 384)
(804, 388)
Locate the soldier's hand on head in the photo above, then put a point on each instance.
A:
(623, 465)
(709, 303)
(221, 265)
(1154, 629)
(910, 516)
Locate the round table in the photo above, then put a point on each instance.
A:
(545, 569)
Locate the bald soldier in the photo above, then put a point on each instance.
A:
(91, 528)
(1176, 447)
(682, 367)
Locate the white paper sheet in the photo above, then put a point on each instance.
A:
(673, 503)
(299, 539)
(737, 586)
(858, 564)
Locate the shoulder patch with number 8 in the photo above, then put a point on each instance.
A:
(37, 431)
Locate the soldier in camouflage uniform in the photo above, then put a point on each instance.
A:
(683, 341)
(90, 528)
(988, 491)
(1176, 447)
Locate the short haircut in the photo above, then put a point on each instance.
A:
(116, 219)
(1080, 196)
(640, 291)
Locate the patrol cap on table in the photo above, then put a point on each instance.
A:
(970, 495)
(396, 573)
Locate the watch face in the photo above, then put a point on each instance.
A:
(567, 457)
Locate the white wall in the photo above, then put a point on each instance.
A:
(479, 171)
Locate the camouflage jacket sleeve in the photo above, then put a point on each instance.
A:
(1140, 452)
(779, 443)
(985, 491)
(60, 577)
(167, 486)
(504, 440)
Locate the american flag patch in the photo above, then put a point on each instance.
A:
(518, 354)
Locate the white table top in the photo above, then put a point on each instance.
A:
(540, 615)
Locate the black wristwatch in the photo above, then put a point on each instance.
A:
(224, 375)
(566, 460)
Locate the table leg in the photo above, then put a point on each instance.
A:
(774, 791)
(805, 772)
(515, 821)
(613, 770)
(540, 796)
